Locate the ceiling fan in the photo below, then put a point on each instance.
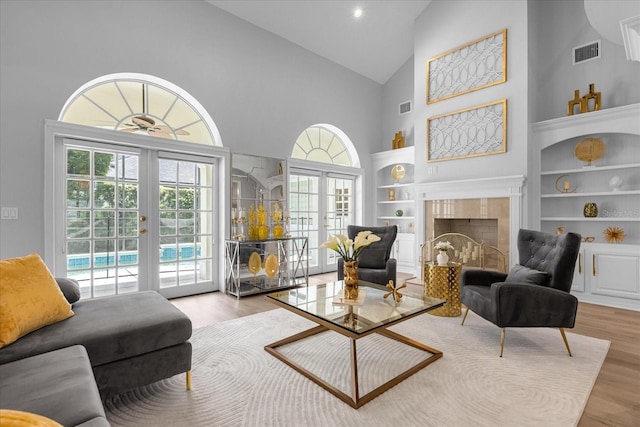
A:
(147, 124)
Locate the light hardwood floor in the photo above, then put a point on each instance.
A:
(614, 401)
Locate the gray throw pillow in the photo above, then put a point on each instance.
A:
(521, 274)
(70, 288)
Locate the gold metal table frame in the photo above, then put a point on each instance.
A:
(355, 400)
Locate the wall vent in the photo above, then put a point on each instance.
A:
(405, 108)
(586, 52)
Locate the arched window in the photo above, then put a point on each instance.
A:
(326, 144)
(139, 103)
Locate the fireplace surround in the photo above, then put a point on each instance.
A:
(486, 209)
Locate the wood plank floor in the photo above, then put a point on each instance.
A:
(614, 401)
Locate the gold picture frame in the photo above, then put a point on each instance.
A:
(476, 65)
(472, 132)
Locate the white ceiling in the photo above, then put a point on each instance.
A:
(375, 45)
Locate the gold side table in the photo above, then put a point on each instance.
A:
(443, 282)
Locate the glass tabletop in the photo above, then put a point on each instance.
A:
(374, 311)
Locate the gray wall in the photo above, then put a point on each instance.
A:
(445, 25)
(555, 28)
(260, 90)
(398, 89)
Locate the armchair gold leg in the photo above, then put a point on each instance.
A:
(188, 380)
(502, 333)
(465, 315)
(566, 343)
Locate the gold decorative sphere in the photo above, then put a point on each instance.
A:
(397, 173)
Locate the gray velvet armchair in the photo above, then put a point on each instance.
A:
(375, 264)
(534, 293)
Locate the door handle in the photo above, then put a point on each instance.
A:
(579, 263)
(143, 230)
(143, 218)
(593, 264)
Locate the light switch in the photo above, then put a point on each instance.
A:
(9, 213)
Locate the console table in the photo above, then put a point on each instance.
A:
(257, 266)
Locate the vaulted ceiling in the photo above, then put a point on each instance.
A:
(374, 45)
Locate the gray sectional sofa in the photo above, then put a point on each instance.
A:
(129, 341)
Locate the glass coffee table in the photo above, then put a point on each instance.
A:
(373, 314)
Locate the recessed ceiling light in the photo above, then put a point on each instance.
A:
(357, 13)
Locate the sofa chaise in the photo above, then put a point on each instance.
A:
(130, 340)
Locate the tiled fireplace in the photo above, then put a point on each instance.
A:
(487, 210)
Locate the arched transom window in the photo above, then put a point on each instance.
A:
(326, 144)
(143, 104)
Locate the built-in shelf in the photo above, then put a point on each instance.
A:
(403, 195)
(582, 219)
(395, 217)
(395, 202)
(396, 185)
(591, 169)
(600, 265)
(590, 194)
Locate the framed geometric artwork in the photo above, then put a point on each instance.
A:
(475, 65)
(472, 132)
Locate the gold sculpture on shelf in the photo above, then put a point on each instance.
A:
(253, 230)
(589, 150)
(395, 291)
(276, 217)
(398, 141)
(566, 186)
(263, 229)
(614, 234)
(392, 194)
(577, 101)
(594, 96)
(585, 103)
(397, 172)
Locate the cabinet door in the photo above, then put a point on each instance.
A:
(405, 253)
(615, 274)
(579, 273)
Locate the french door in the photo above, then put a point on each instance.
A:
(320, 204)
(136, 219)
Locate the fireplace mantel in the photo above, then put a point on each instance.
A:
(494, 187)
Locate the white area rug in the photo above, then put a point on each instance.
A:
(237, 383)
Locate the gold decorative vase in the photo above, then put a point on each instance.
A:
(351, 279)
(590, 210)
(263, 232)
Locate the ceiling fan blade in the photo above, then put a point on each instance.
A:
(143, 121)
(167, 129)
(161, 134)
(129, 129)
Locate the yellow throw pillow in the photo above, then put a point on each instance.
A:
(29, 298)
(11, 418)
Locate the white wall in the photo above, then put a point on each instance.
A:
(445, 25)
(555, 28)
(260, 90)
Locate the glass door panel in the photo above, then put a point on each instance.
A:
(102, 237)
(339, 211)
(304, 199)
(186, 206)
(320, 204)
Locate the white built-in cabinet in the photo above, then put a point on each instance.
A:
(606, 273)
(396, 203)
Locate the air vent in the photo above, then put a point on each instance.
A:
(586, 52)
(405, 108)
